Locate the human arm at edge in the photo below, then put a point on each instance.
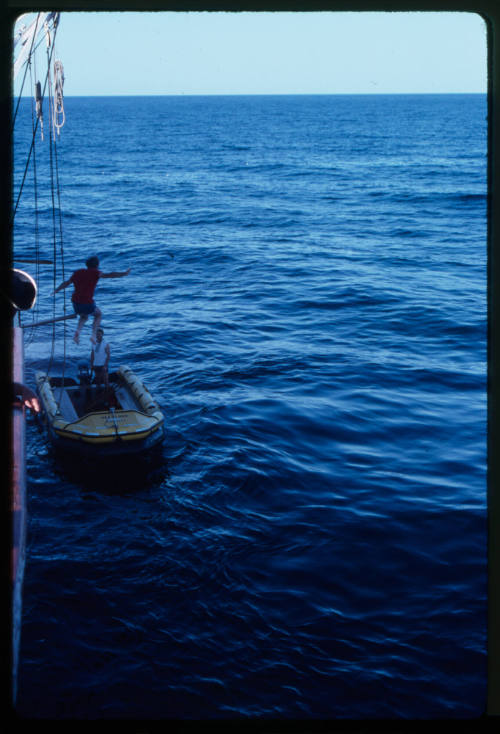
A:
(64, 284)
(115, 274)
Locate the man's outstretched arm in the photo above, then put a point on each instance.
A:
(64, 284)
(115, 274)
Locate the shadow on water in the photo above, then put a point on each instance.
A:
(113, 475)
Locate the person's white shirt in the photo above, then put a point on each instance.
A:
(101, 351)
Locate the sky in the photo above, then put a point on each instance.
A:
(173, 53)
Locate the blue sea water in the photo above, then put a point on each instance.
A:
(307, 302)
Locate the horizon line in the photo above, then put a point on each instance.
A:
(268, 94)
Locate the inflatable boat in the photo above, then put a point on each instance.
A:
(121, 418)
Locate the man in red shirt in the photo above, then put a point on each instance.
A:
(84, 281)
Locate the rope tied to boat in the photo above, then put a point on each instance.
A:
(115, 423)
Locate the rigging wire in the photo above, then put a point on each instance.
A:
(36, 126)
(56, 221)
(56, 121)
(30, 55)
(34, 312)
(61, 247)
(54, 245)
(52, 143)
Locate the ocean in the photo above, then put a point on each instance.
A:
(307, 303)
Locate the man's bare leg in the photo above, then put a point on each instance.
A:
(95, 325)
(81, 321)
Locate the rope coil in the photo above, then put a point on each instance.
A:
(59, 116)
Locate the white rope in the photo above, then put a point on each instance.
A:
(47, 34)
(59, 117)
(26, 37)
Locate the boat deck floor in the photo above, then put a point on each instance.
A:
(75, 402)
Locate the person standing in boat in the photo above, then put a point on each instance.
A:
(99, 359)
(84, 281)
